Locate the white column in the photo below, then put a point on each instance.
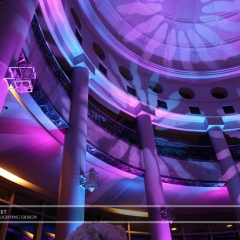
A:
(152, 179)
(230, 172)
(15, 19)
(74, 157)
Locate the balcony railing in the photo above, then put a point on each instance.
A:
(184, 152)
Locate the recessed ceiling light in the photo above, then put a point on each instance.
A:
(173, 229)
(229, 225)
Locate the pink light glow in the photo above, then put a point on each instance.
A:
(223, 154)
(230, 173)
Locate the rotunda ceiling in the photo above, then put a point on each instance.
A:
(174, 59)
(179, 34)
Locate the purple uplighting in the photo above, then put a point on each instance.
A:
(178, 34)
(145, 94)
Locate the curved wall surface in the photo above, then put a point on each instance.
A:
(184, 170)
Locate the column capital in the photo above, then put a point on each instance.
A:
(213, 122)
(143, 109)
(83, 61)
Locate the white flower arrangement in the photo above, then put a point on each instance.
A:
(98, 231)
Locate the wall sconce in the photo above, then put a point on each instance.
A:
(89, 180)
(22, 78)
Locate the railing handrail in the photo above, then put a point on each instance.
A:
(117, 129)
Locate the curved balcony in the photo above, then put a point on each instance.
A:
(180, 163)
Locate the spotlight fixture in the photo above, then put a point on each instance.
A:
(89, 180)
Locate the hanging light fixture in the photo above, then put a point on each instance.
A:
(22, 78)
(89, 180)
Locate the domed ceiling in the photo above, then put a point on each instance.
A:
(180, 34)
(167, 58)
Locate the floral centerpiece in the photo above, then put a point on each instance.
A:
(98, 231)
